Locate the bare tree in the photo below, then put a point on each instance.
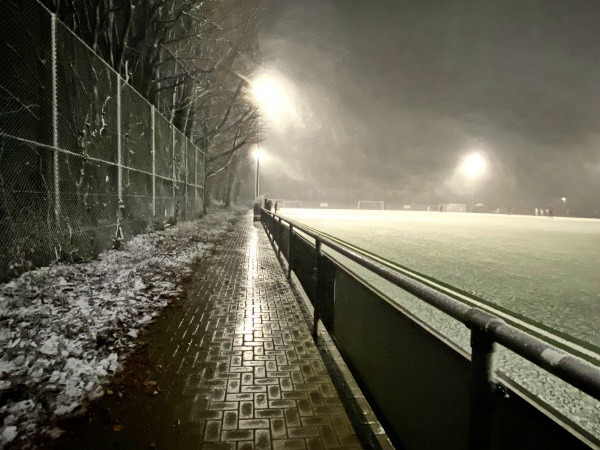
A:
(188, 58)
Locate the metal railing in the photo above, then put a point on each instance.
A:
(495, 421)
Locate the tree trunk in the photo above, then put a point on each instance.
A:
(232, 175)
(206, 197)
(236, 190)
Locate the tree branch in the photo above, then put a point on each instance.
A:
(228, 152)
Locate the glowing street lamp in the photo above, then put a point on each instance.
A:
(271, 96)
(272, 99)
(266, 97)
(473, 167)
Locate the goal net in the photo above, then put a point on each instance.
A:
(371, 204)
(292, 204)
(456, 207)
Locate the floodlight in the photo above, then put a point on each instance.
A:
(474, 166)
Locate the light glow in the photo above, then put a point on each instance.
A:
(268, 93)
(474, 166)
(275, 97)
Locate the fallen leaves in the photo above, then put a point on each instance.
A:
(65, 329)
(151, 388)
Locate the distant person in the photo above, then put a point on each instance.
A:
(551, 213)
(509, 210)
(441, 208)
(276, 207)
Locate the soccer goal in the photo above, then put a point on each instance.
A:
(456, 207)
(371, 204)
(292, 204)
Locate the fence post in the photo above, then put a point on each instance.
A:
(119, 158)
(204, 184)
(318, 288)
(195, 177)
(482, 387)
(290, 253)
(55, 118)
(173, 172)
(185, 194)
(153, 125)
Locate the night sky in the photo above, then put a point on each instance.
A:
(390, 95)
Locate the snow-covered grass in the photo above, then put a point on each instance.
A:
(65, 329)
(538, 267)
(545, 269)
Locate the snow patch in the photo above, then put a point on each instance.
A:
(9, 433)
(65, 329)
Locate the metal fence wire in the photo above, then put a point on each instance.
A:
(84, 159)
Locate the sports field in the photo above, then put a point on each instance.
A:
(542, 268)
(541, 272)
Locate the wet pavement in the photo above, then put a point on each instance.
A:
(234, 367)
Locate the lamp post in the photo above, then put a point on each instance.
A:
(473, 167)
(564, 200)
(271, 100)
(257, 155)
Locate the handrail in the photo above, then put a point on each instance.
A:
(486, 330)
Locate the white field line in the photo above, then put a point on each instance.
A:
(573, 346)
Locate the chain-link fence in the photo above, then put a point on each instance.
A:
(84, 159)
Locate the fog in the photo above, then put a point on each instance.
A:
(389, 96)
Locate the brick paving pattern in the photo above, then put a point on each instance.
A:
(263, 383)
(238, 368)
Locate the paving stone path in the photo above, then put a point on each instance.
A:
(236, 366)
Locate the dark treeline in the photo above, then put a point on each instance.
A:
(66, 119)
(190, 59)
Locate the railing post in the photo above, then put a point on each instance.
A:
(290, 252)
(279, 239)
(268, 225)
(482, 388)
(318, 288)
